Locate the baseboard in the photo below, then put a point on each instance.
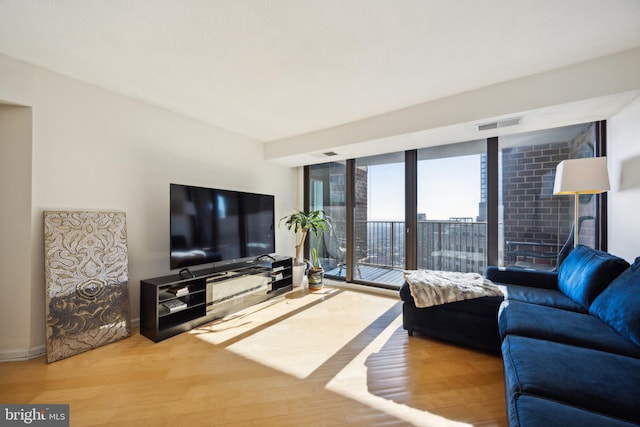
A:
(24, 354)
(37, 351)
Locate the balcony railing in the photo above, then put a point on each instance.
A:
(384, 245)
(455, 245)
(452, 245)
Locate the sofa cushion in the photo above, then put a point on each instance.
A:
(535, 411)
(405, 293)
(547, 297)
(586, 272)
(619, 304)
(602, 382)
(522, 277)
(569, 327)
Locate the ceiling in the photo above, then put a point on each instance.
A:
(273, 69)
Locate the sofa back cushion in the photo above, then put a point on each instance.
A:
(619, 304)
(586, 272)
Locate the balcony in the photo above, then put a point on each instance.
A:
(454, 245)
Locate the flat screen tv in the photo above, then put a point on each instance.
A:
(219, 226)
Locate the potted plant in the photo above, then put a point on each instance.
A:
(301, 223)
(315, 274)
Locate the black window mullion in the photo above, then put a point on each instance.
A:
(492, 201)
(600, 148)
(350, 218)
(411, 209)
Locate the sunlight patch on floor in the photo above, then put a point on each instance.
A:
(313, 335)
(351, 382)
(233, 326)
(314, 326)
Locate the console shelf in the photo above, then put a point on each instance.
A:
(170, 305)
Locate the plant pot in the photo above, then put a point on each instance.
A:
(316, 278)
(298, 274)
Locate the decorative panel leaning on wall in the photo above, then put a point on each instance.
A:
(86, 273)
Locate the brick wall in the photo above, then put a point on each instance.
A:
(531, 212)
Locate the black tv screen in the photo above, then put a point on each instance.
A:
(219, 226)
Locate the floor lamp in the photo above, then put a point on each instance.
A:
(581, 176)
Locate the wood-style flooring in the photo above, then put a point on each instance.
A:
(329, 358)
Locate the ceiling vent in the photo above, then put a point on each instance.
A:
(513, 121)
(324, 155)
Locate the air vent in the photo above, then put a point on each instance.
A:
(330, 153)
(487, 126)
(513, 121)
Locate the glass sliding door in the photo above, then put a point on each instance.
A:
(327, 192)
(452, 224)
(535, 225)
(373, 239)
(379, 221)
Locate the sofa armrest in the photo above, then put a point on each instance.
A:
(518, 276)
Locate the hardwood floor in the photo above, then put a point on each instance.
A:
(334, 357)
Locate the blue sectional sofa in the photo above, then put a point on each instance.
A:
(571, 342)
(570, 339)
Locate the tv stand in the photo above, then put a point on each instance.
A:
(218, 274)
(173, 304)
(186, 270)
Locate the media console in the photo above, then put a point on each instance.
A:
(174, 304)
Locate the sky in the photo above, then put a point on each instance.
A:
(448, 187)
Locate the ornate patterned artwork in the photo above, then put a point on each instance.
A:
(86, 273)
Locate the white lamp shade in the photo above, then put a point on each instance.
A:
(582, 176)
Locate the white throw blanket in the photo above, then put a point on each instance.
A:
(431, 287)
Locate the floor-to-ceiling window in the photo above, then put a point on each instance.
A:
(535, 224)
(451, 217)
(327, 192)
(379, 219)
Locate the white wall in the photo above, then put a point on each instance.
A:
(93, 149)
(623, 152)
(15, 226)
